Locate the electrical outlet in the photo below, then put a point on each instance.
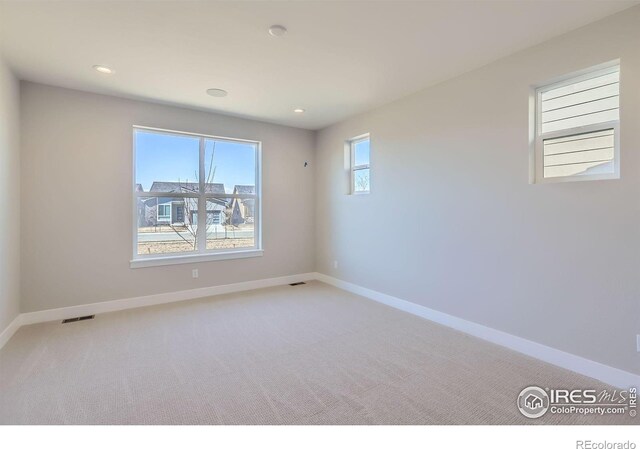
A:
(194, 273)
(335, 264)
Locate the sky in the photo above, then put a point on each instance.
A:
(164, 157)
(361, 156)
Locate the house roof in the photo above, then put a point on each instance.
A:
(244, 190)
(185, 187)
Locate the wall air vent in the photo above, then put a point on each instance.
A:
(78, 318)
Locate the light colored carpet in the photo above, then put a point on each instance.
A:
(310, 354)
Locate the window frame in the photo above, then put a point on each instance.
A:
(201, 253)
(537, 137)
(353, 168)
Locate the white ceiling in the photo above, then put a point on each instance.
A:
(338, 58)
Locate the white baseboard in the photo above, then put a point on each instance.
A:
(143, 301)
(586, 367)
(604, 373)
(161, 298)
(11, 329)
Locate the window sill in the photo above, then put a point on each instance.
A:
(578, 178)
(193, 258)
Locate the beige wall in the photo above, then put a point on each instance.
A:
(453, 224)
(9, 198)
(77, 204)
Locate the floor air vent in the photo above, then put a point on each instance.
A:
(78, 318)
(297, 283)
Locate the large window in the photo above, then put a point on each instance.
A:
(360, 164)
(577, 127)
(196, 198)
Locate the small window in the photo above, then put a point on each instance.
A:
(164, 212)
(577, 127)
(360, 169)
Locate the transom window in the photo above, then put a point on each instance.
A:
(196, 197)
(577, 127)
(360, 164)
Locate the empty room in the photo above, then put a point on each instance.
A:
(271, 216)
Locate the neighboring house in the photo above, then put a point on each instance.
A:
(243, 210)
(180, 211)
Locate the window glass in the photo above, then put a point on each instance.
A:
(361, 150)
(361, 180)
(229, 164)
(577, 127)
(230, 224)
(163, 226)
(360, 164)
(170, 206)
(166, 163)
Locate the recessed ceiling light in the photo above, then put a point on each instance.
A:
(217, 92)
(298, 110)
(277, 30)
(104, 69)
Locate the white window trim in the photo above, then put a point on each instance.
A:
(182, 258)
(353, 168)
(201, 254)
(536, 137)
